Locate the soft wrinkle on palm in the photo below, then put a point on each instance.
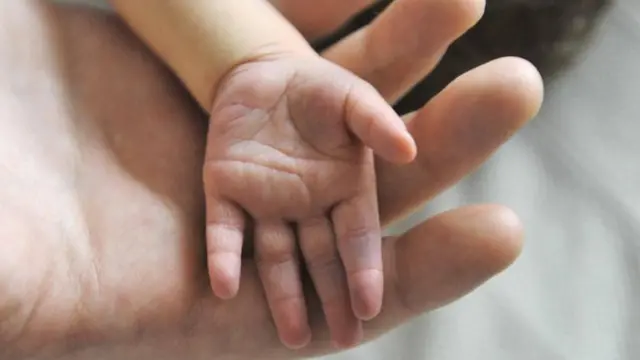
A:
(264, 144)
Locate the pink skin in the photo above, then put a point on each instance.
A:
(286, 146)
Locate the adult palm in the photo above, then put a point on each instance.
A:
(101, 207)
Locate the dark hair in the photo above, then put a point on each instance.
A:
(549, 33)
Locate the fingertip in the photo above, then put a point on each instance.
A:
(297, 342)
(453, 253)
(224, 275)
(399, 148)
(371, 119)
(223, 291)
(350, 341)
(293, 328)
(409, 149)
(493, 233)
(224, 238)
(508, 237)
(366, 294)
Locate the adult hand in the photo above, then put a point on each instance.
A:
(101, 207)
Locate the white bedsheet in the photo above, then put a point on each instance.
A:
(574, 177)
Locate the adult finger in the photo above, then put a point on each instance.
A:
(405, 42)
(458, 130)
(445, 258)
(437, 262)
(315, 18)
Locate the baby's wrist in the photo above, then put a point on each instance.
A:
(269, 56)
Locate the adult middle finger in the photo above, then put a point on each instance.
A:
(405, 42)
(316, 18)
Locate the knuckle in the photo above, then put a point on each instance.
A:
(274, 251)
(360, 234)
(284, 299)
(357, 245)
(319, 257)
(332, 303)
(317, 244)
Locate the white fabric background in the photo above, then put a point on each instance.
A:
(574, 178)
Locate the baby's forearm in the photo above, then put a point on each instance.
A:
(202, 40)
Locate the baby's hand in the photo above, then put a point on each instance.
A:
(286, 146)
